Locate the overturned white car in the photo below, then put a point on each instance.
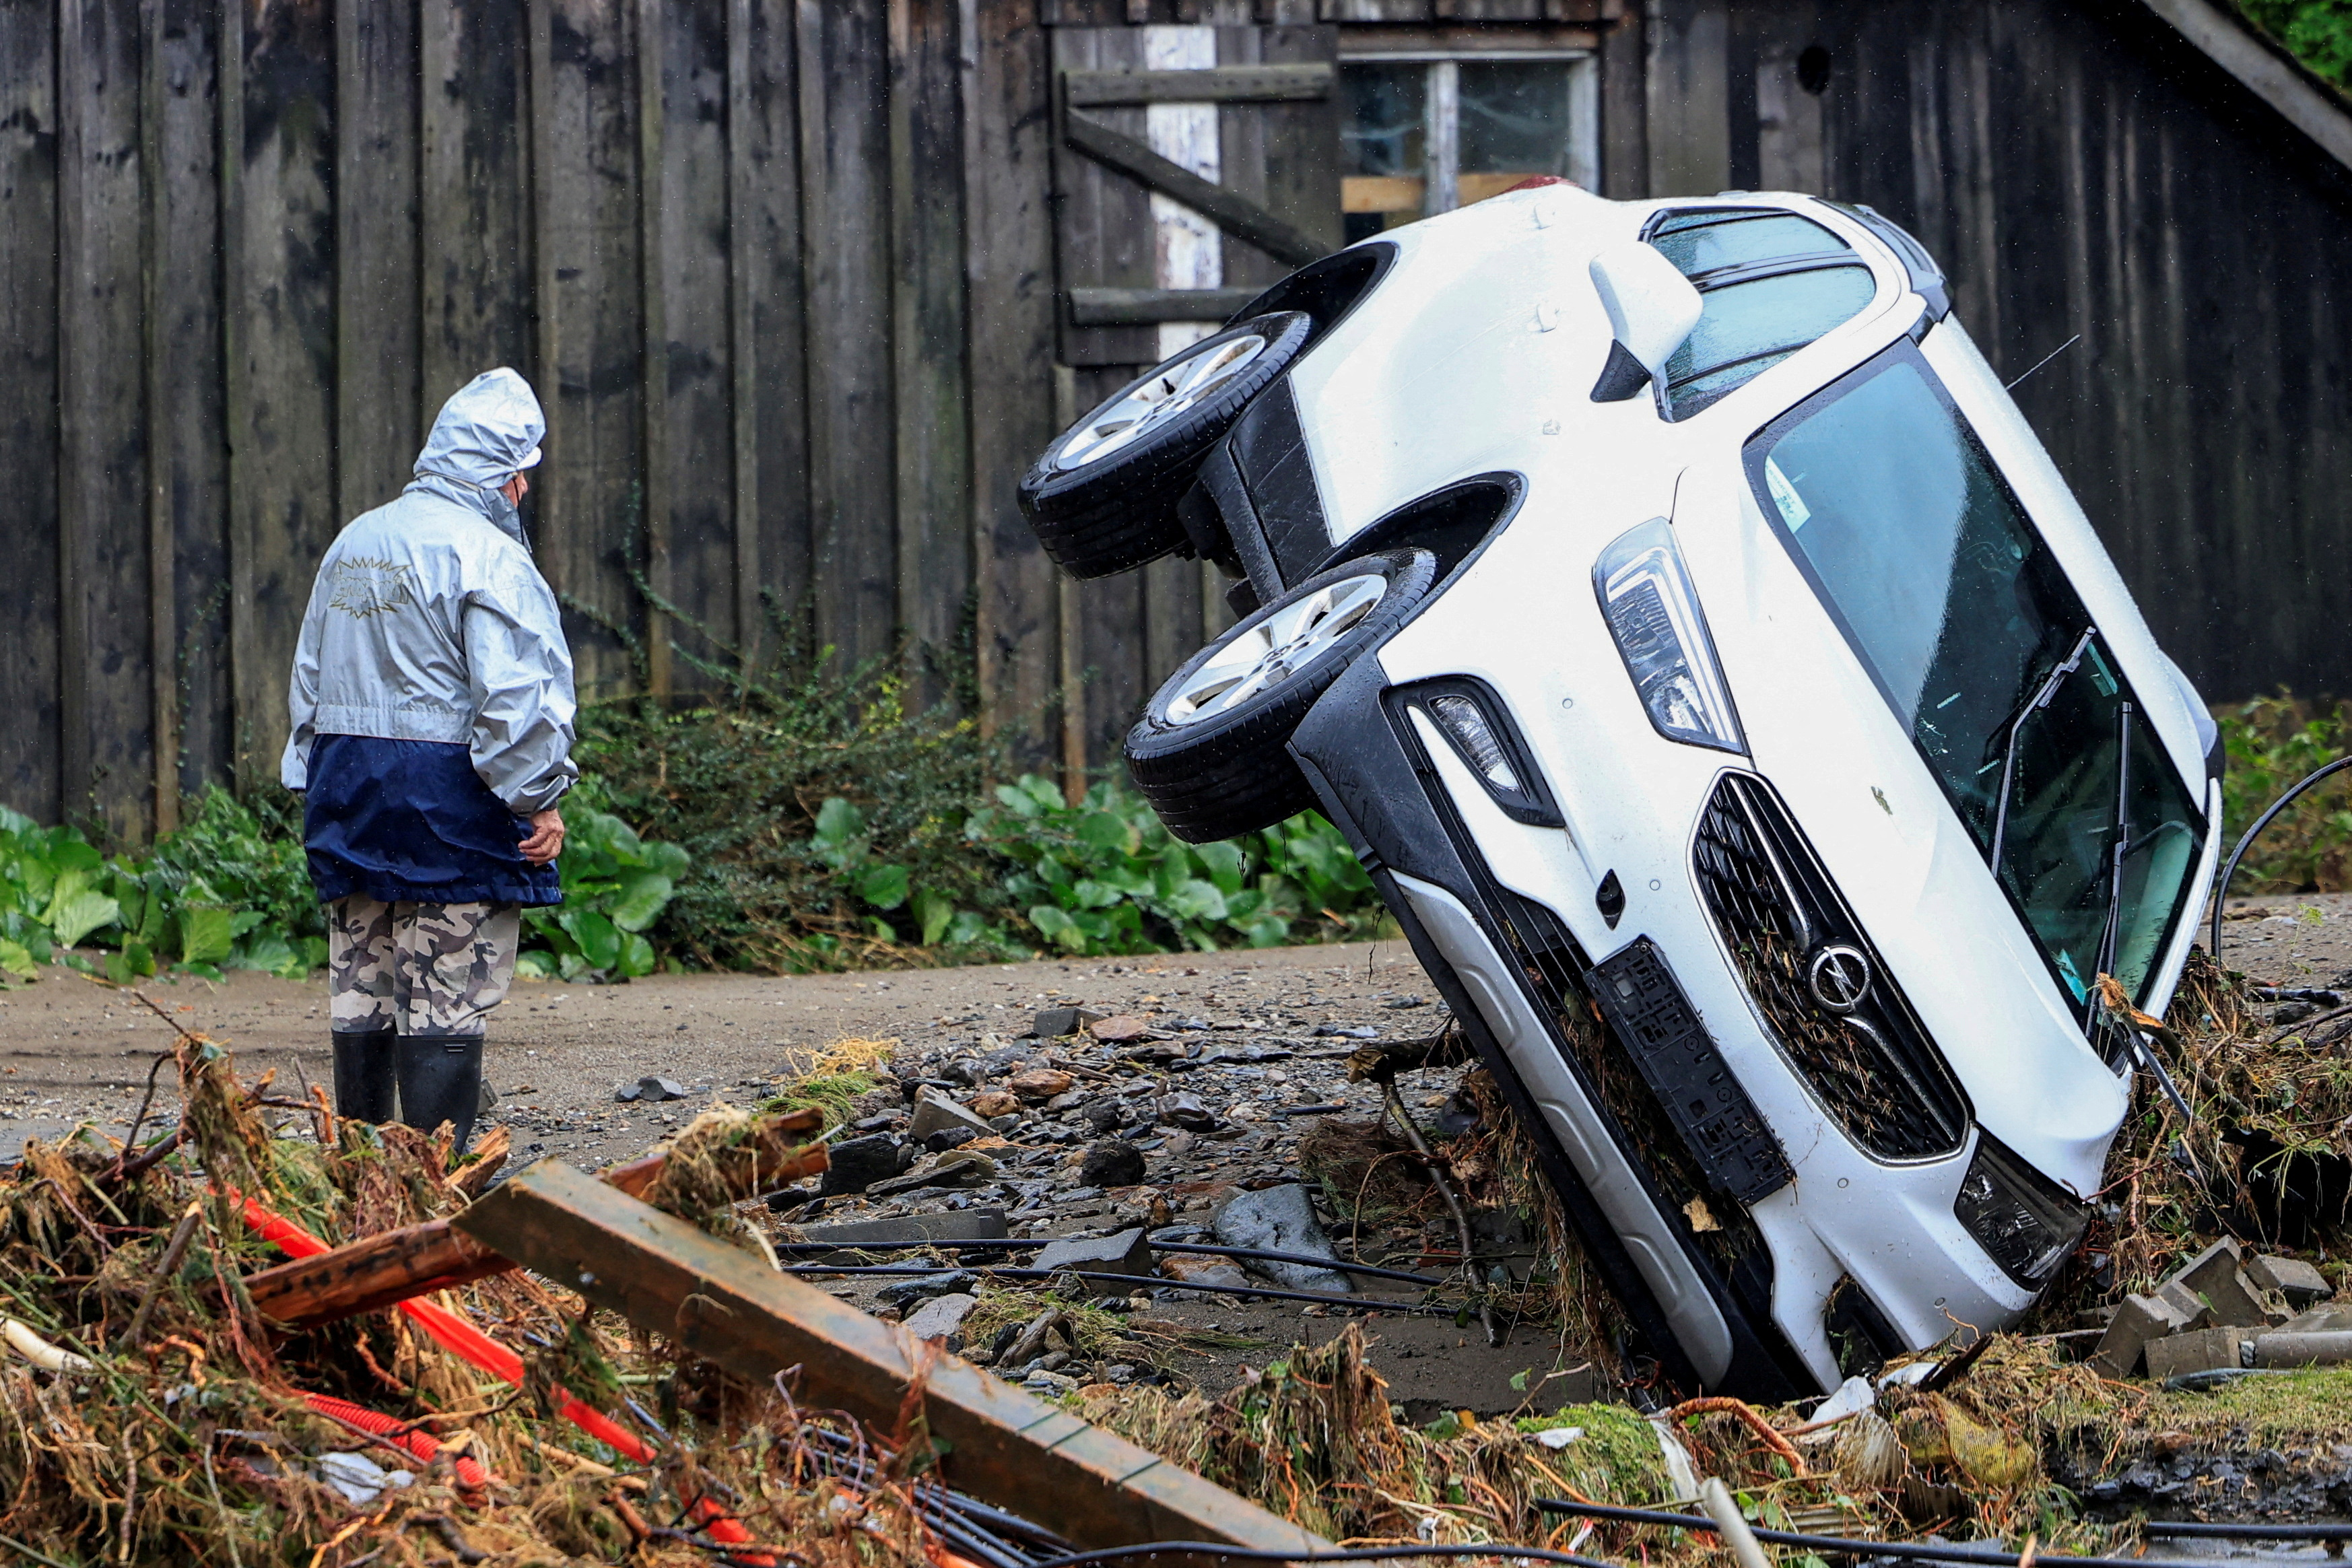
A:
(1735, 707)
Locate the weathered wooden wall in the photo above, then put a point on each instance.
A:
(2079, 168)
(246, 249)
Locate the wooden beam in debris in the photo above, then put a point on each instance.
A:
(729, 1307)
(1309, 82)
(395, 1266)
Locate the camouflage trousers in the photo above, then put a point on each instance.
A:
(432, 970)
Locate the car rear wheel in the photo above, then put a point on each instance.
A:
(1103, 497)
(1211, 752)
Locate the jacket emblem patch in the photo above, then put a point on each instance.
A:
(364, 587)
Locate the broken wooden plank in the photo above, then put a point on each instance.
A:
(395, 1266)
(1222, 84)
(1148, 307)
(729, 1307)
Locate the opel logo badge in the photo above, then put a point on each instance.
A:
(1839, 977)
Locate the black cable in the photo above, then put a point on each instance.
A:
(1370, 1304)
(1019, 1243)
(1351, 1554)
(2198, 1528)
(2230, 868)
(1916, 1551)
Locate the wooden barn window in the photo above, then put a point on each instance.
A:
(1425, 132)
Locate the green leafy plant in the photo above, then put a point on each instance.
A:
(615, 886)
(2272, 743)
(2316, 32)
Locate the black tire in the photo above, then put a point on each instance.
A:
(1232, 772)
(1118, 513)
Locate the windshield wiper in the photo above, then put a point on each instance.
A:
(2040, 700)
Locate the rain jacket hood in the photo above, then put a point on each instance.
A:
(429, 621)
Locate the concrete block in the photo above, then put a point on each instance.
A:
(2140, 1320)
(1052, 1023)
(1126, 1253)
(2186, 1304)
(2331, 1317)
(2216, 1276)
(2298, 1281)
(2200, 1352)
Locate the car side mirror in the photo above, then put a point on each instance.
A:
(1652, 309)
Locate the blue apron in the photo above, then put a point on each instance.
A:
(411, 821)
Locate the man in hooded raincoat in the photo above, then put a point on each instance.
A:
(433, 712)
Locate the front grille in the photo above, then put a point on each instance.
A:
(1872, 1068)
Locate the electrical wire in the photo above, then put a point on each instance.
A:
(2230, 868)
(1370, 1304)
(1350, 1555)
(2199, 1529)
(1914, 1550)
(1020, 1243)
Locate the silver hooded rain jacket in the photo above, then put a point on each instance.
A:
(429, 621)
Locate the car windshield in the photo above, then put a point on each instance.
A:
(1982, 646)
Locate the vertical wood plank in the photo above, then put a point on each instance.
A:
(1103, 227)
(928, 377)
(188, 464)
(378, 322)
(765, 223)
(845, 62)
(743, 394)
(541, 94)
(1286, 155)
(278, 246)
(1689, 131)
(1624, 115)
(163, 585)
(1010, 266)
(654, 347)
(473, 197)
(103, 511)
(30, 761)
(694, 367)
(590, 532)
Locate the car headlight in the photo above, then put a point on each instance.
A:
(1647, 600)
(2022, 1220)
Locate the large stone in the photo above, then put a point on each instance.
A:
(1114, 1162)
(1118, 1029)
(1126, 1253)
(956, 1167)
(1040, 1084)
(941, 1316)
(935, 1113)
(1186, 1110)
(858, 1163)
(2203, 1350)
(991, 1103)
(1052, 1023)
(961, 1225)
(2140, 1320)
(1192, 1269)
(1279, 1219)
(1103, 1114)
(923, 1287)
(2298, 1281)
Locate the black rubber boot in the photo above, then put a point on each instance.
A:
(441, 1081)
(364, 1074)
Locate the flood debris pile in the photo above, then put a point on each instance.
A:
(151, 1412)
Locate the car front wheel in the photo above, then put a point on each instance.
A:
(1212, 751)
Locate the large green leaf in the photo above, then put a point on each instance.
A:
(636, 954)
(599, 942)
(934, 912)
(644, 895)
(1197, 900)
(883, 886)
(78, 909)
(18, 960)
(205, 932)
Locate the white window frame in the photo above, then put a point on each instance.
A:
(1441, 106)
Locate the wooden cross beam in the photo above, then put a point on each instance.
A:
(727, 1306)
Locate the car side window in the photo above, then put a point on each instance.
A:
(1770, 282)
